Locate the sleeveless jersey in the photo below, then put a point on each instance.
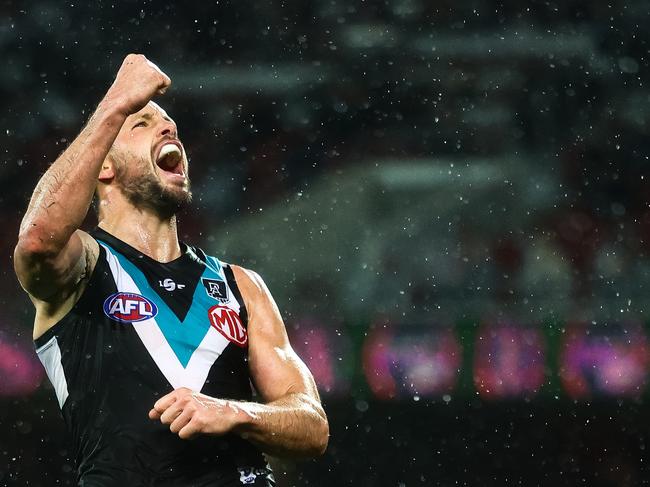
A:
(140, 330)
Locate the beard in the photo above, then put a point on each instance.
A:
(147, 191)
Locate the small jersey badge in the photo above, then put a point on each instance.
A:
(129, 307)
(216, 289)
(247, 475)
(227, 322)
(170, 285)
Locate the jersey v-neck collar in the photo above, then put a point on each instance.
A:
(133, 253)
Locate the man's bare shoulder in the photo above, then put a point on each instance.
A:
(52, 309)
(247, 277)
(251, 284)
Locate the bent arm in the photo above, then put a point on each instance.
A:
(292, 420)
(49, 249)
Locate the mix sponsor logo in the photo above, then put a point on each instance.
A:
(129, 307)
(227, 322)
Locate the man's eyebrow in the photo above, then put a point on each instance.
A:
(142, 116)
(148, 116)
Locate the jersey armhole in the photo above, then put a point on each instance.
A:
(232, 284)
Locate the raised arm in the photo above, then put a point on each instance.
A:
(291, 422)
(52, 254)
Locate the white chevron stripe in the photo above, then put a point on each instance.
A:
(194, 375)
(50, 356)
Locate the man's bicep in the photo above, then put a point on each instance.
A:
(276, 370)
(46, 276)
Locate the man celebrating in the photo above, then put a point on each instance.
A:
(149, 342)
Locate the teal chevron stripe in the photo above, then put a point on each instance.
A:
(183, 337)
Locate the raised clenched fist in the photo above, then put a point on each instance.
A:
(137, 82)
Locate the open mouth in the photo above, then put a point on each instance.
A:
(170, 159)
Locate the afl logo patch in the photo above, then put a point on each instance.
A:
(129, 307)
(227, 322)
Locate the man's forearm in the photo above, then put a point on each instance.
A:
(63, 195)
(292, 426)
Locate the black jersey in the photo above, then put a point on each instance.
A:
(140, 330)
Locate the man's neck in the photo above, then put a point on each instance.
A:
(146, 232)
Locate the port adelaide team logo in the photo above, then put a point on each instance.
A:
(216, 289)
(129, 307)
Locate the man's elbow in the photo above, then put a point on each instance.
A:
(323, 437)
(34, 259)
(33, 245)
(319, 437)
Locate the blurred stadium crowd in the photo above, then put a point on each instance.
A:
(446, 198)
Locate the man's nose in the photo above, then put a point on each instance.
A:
(167, 129)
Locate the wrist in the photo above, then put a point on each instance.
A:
(243, 420)
(113, 109)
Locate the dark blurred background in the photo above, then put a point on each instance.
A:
(449, 201)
